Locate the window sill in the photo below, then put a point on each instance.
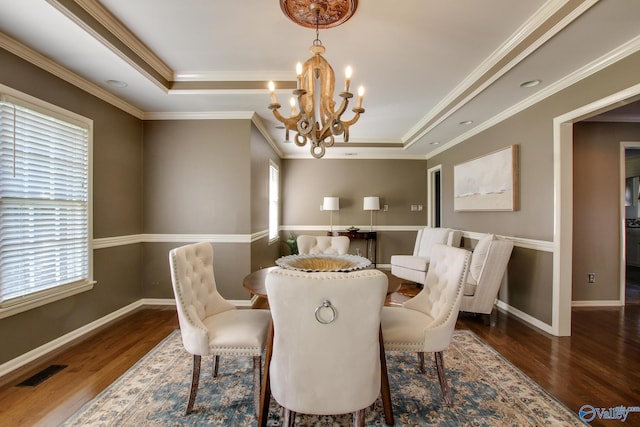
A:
(44, 299)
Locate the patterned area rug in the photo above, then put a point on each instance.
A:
(487, 391)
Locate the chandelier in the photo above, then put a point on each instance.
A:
(313, 110)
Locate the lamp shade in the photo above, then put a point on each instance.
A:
(371, 204)
(331, 204)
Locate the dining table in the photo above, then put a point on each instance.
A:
(255, 283)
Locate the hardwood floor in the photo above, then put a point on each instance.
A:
(92, 365)
(598, 365)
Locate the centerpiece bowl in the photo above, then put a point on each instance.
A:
(318, 262)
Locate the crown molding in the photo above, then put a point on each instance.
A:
(199, 115)
(550, 19)
(262, 128)
(621, 52)
(98, 21)
(234, 76)
(65, 74)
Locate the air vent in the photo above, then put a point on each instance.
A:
(39, 377)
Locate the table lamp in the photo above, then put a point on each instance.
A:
(331, 204)
(371, 204)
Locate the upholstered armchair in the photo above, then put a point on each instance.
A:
(426, 322)
(414, 267)
(209, 324)
(326, 357)
(327, 245)
(489, 262)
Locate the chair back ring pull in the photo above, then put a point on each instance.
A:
(325, 304)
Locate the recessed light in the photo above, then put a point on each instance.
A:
(466, 122)
(530, 83)
(117, 83)
(350, 154)
(279, 127)
(434, 143)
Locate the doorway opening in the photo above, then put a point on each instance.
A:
(434, 201)
(630, 262)
(563, 202)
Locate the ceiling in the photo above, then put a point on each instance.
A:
(427, 65)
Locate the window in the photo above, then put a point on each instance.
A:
(44, 203)
(274, 201)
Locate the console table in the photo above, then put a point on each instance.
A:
(370, 236)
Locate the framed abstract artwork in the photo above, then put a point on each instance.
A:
(487, 183)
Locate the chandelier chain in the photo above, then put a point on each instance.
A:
(317, 41)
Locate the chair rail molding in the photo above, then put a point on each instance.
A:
(108, 242)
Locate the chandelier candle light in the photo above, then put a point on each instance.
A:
(313, 113)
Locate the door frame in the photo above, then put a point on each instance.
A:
(432, 204)
(563, 202)
(624, 145)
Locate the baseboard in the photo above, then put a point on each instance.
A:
(525, 317)
(50, 347)
(46, 350)
(603, 303)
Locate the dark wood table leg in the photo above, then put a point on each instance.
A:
(385, 391)
(265, 390)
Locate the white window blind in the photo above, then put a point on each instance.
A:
(274, 200)
(44, 202)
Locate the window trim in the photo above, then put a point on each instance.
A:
(276, 237)
(47, 296)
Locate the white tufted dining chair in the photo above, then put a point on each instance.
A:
(426, 322)
(326, 356)
(326, 245)
(209, 324)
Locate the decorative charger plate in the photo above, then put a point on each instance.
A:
(316, 263)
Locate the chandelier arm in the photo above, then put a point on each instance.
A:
(274, 108)
(354, 119)
(325, 132)
(326, 138)
(343, 105)
(290, 123)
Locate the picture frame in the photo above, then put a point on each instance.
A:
(488, 183)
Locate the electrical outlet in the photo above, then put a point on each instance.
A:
(385, 208)
(591, 277)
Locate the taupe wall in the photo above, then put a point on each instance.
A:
(398, 183)
(198, 180)
(596, 204)
(530, 271)
(197, 177)
(263, 253)
(117, 211)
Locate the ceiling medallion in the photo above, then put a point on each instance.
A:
(335, 12)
